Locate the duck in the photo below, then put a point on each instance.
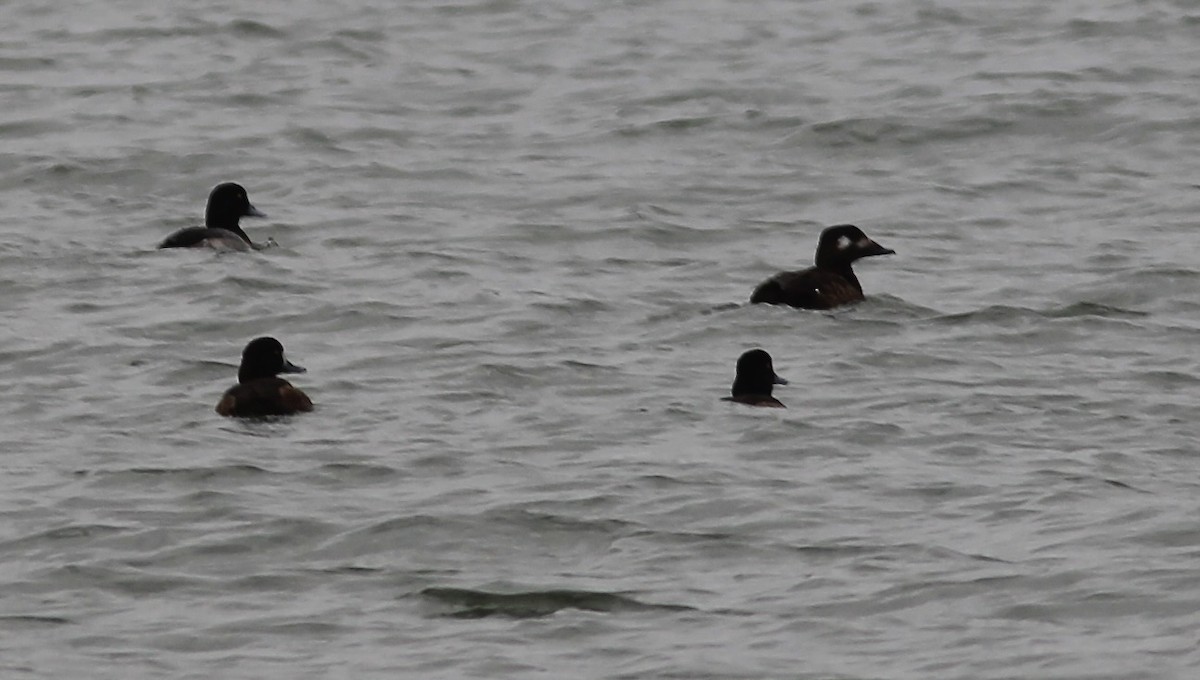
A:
(831, 283)
(755, 379)
(227, 204)
(260, 391)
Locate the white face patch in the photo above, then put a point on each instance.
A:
(844, 242)
(864, 243)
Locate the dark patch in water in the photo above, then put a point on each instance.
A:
(34, 620)
(1009, 314)
(477, 604)
(1092, 309)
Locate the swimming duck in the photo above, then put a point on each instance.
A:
(260, 392)
(831, 282)
(227, 204)
(755, 379)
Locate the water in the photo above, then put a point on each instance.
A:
(516, 243)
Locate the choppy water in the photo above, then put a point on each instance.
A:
(516, 239)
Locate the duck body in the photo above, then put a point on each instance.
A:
(756, 400)
(204, 237)
(812, 288)
(263, 397)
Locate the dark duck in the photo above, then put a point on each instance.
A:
(829, 284)
(227, 205)
(260, 391)
(755, 379)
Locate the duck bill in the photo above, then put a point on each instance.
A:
(873, 248)
(251, 211)
(780, 380)
(289, 367)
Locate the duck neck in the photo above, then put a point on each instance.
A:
(217, 220)
(246, 375)
(841, 267)
(743, 386)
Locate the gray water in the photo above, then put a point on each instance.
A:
(516, 243)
